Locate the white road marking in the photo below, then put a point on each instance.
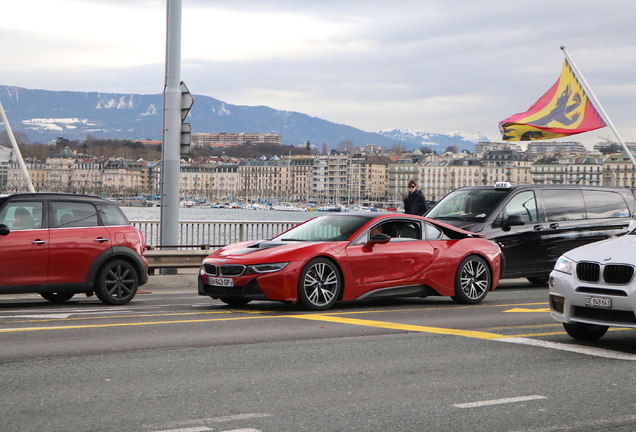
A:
(499, 401)
(190, 425)
(591, 351)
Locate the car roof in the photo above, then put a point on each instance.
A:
(53, 196)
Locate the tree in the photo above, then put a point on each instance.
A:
(346, 146)
(451, 149)
(325, 149)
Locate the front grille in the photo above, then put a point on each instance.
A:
(210, 269)
(588, 272)
(231, 270)
(614, 274)
(606, 315)
(618, 274)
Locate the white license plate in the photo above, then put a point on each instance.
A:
(602, 302)
(224, 282)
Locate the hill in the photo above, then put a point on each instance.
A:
(45, 115)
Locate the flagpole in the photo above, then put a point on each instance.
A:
(596, 103)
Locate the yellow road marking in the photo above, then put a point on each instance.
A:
(397, 326)
(528, 310)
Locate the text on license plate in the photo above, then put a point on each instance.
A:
(226, 282)
(603, 302)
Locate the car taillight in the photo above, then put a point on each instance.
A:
(142, 241)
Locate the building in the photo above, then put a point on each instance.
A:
(229, 139)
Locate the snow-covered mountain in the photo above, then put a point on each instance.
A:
(46, 115)
(436, 141)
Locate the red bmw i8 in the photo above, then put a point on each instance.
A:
(349, 256)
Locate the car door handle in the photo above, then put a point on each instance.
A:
(538, 227)
(100, 240)
(38, 242)
(554, 225)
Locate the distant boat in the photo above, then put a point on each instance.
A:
(281, 206)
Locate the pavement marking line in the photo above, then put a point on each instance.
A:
(47, 318)
(12, 330)
(397, 326)
(580, 349)
(527, 310)
(192, 429)
(499, 401)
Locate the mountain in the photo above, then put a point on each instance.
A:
(45, 115)
(439, 142)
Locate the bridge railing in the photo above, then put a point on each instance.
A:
(214, 234)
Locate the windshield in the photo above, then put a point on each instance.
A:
(469, 204)
(326, 228)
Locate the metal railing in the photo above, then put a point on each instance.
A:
(213, 234)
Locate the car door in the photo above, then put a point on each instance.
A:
(566, 225)
(76, 239)
(520, 245)
(404, 256)
(24, 251)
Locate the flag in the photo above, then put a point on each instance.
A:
(563, 110)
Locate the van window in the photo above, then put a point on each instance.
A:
(523, 204)
(467, 204)
(563, 204)
(605, 204)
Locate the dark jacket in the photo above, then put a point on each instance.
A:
(415, 203)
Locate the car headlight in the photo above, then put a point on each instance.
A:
(265, 268)
(564, 265)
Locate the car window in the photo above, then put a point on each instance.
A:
(112, 215)
(433, 233)
(604, 204)
(523, 204)
(563, 204)
(402, 230)
(66, 214)
(22, 215)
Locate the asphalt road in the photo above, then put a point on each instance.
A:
(174, 361)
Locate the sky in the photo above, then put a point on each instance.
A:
(432, 65)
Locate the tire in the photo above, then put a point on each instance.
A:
(117, 282)
(473, 280)
(319, 285)
(539, 280)
(57, 297)
(585, 332)
(235, 302)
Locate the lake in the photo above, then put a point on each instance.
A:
(212, 214)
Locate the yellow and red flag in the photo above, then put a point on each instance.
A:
(563, 110)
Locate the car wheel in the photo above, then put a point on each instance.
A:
(319, 285)
(539, 280)
(116, 282)
(585, 332)
(472, 280)
(57, 297)
(236, 302)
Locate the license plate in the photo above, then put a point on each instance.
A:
(224, 282)
(602, 302)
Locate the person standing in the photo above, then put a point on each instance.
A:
(415, 202)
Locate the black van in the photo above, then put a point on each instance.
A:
(535, 224)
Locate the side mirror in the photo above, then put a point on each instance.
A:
(4, 230)
(514, 220)
(376, 239)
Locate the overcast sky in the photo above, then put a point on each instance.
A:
(432, 65)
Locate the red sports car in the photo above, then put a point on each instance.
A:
(350, 256)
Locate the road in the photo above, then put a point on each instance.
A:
(175, 361)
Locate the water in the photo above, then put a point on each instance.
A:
(237, 215)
